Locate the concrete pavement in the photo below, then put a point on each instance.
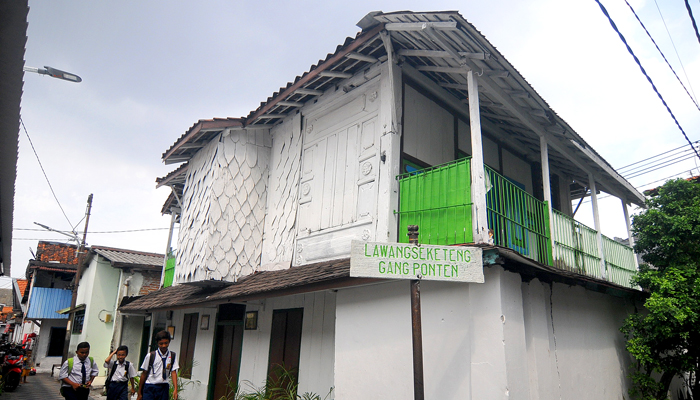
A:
(41, 386)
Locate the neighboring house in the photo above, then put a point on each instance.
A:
(110, 275)
(19, 328)
(418, 120)
(50, 276)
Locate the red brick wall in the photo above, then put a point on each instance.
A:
(63, 253)
(151, 283)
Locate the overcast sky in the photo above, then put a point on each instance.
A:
(151, 69)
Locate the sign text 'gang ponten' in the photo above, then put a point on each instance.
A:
(408, 261)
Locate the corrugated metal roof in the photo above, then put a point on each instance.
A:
(441, 47)
(46, 301)
(125, 258)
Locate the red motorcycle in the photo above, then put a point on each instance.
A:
(11, 366)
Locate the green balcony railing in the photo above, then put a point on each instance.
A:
(437, 199)
(575, 246)
(517, 219)
(619, 261)
(576, 249)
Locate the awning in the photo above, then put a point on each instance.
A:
(68, 310)
(46, 301)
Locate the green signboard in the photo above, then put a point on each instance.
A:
(408, 261)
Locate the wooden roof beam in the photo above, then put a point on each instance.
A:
(419, 26)
(286, 103)
(361, 57)
(335, 74)
(441, 54)
(308, 92)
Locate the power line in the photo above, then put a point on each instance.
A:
(674, 46)
(91, 232)
(44, 172)
(660, 154)
(657, 167)
(664, 57)
(690, 13)
(629, 49)
(658, 161)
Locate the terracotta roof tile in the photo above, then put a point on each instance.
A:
(57, 252)
(22, 285)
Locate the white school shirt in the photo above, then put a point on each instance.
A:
(76, 375)
(119, 372)
(156, 376)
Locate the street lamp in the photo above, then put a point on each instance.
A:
(56, 73)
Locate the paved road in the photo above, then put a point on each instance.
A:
(39, 387)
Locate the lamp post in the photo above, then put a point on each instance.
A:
(56, 73)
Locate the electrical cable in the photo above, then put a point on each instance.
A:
(659, 166)
(44, 172)
(664, 57)
(91, 232)
(629, 49)
(660, 154)
(657, 161)
(674, 46)
(690, 13)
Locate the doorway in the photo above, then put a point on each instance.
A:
(228, 342)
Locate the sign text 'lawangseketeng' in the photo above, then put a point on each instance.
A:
(407, 261)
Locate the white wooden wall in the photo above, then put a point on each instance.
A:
(317, 341)
(224, 205)
(428, 129)
(338, 185)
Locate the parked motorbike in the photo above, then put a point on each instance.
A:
(11, 370)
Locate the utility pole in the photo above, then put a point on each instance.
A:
(78, 272)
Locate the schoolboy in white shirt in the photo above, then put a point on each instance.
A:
(119, 373)
(155, 368)
(77, 374)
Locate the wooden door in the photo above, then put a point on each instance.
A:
(285, 343)
(227, 349)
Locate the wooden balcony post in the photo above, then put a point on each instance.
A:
(629, 229)
(596, 221)
(479, 218)
(544, 157)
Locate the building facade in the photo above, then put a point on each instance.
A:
(418, 120)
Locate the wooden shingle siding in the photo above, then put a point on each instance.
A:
(280, 223)
(224, 208)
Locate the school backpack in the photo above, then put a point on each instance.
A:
(152, 358)
(70, 364)
(114, 369)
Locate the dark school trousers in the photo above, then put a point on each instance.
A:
(81, 393)
(160, 391)
(118, 391)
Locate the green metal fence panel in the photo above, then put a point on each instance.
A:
(438, 200)
(619, 262)
(575, 246)
(518, 220)
(169, 274)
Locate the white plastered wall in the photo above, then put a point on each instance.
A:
(42, 362)
(504, 339)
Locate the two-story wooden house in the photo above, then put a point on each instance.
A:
(418, 120)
